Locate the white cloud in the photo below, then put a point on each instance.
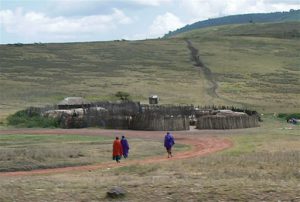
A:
(79, 20)
(164, 23)
(201, 9)
(151, 2)
(37, 26)
(161, 25)
(283, 2)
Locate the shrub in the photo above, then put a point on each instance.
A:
(31, 118)
(288, 116)
(124, 96)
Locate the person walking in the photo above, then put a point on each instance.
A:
(117, 150)
(169, 142)
(125, 146)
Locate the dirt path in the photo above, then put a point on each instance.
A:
(203, 69)
(213, 85)
(201, 145)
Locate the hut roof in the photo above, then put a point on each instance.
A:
(154, 96)
(74, 101)
(230, 113)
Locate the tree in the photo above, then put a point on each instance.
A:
(124, 96)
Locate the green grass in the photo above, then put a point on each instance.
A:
(96, 71)
(29, 152)
(270, 30)
(288, 116)
(250, 64)
(263, 165)
(20, 139)
(27, 119)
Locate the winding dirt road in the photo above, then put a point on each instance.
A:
(201, 145)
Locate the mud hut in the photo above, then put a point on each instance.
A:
(73, 102)
(153, 99)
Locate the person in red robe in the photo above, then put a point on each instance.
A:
(117, 150)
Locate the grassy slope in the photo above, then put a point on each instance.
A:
(45, 74)
(293, 15)
(262, 72)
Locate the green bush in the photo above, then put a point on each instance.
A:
(288, 116)
(29, 118)
(124, 96)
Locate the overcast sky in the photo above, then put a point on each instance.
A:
(29, 21)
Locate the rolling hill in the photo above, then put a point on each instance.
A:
(253, 65)
(292, 15)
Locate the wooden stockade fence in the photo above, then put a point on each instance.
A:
(226, 122)
(162, 118)
(158, 122)
(174, 110)
(133, 115)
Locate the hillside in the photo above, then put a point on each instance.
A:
(280, 30)
(254, 64)
(292, 15)
(260, 72)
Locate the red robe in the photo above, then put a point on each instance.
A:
(117, 148)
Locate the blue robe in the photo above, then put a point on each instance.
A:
(125, 147)
(169, 141)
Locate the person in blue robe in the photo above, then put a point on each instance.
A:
(169, 142)
(125, 146)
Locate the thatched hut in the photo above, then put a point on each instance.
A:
(73, 102)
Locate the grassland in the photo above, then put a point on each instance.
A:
(262, 166)
(251, 65)
(39, 75)
(29, 152)
(256, 65)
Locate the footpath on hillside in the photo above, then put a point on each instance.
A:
(203, 69)
(208, 75)
(201, 145)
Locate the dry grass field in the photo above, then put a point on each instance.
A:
(263, 165)
(258, 65)
(29, 152)
(255, 65)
